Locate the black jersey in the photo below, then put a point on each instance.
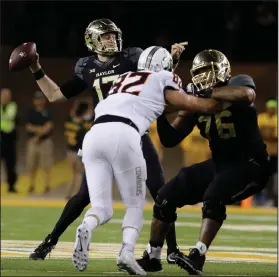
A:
(233, 133)
(97, 76)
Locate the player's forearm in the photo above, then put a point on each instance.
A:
(204, 106)
(50, 89)
(234, 94)
(191, 103)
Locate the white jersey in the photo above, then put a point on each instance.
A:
(138, 96)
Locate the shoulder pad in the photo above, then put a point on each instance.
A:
(81, 63)
(169, 79)
(132, 53)
(164, 74)
(242, 80)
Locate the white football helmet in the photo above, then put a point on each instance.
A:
(155, 58)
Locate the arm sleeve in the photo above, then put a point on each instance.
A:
(77, 84)
(170, 136)
(242, 80)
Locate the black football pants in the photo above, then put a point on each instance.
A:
(203, 182)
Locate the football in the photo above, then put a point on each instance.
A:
(22, 56)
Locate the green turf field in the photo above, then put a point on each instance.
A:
(247, 244)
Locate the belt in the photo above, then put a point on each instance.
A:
(114, 118)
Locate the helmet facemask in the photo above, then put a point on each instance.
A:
(204, 77)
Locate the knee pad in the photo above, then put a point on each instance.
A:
(164, 211)
(214, 210)
(103, 215)
(133, 218)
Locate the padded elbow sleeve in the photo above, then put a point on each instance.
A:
(168, 135)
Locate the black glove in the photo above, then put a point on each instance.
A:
(192, 90)
(205, 93)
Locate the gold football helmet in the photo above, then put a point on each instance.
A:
(209, 68)
(93, 37)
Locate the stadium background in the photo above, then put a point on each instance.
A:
(245, 31)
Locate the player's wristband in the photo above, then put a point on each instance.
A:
(39, 74)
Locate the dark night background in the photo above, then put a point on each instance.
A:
(244, 30)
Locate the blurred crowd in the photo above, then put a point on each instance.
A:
(245, 31)
(39, 126)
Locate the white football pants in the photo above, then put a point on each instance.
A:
(110, 150)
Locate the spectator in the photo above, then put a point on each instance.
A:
(156, 140)
(268, 126)
(195, 148)
(75, 129)
(8, 136)
(39, 128)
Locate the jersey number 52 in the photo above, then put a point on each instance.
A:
(129, 83)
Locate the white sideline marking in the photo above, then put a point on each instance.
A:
(67, 244)
(234, 227)
(239, 217)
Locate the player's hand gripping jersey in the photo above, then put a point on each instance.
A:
(138, 96)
